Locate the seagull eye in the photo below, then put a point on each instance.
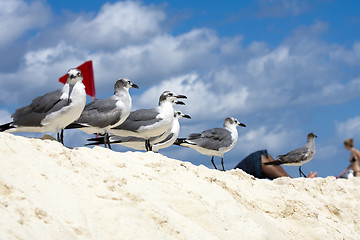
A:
(170, 94)
(78, 74)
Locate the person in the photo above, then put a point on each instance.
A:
(354, 158)
(254, 165)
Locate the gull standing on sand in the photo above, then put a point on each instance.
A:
(102, 114)
(148, 123)
(298, 156)
(163, 141)
(53, 111)
(215, 141)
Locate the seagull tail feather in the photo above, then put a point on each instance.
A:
(74, 126)
(180, 141)
(95, 141)
(273, 163)
(6, 126)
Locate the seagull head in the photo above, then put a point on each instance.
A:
(171, 97)
(311, 136)
(124, 83)
(230, 121)
(74, 76)
(179, 114)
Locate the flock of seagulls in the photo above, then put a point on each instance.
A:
(143, 129)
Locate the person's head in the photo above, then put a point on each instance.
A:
(349, 143)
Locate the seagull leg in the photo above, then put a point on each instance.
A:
(212, 161)
(62, 136)
(222, 163)
(301, 173)
(107, 140)
(150, 147)
(147, 145)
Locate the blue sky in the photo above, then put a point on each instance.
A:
(285, 68)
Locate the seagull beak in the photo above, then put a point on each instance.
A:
(134, 85)
(179, 103)
(186, 116)
(181, 96)
(242, 125)
(315, 136)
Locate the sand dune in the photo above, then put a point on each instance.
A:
(50, 192)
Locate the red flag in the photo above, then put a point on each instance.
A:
(88, 73)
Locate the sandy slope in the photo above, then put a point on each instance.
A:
(51, 192)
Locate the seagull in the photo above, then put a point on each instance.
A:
(174, 132)
(102, 114)
(53, 111)
(215, 141)
(298, 156)
(148, 123)
(163, 141)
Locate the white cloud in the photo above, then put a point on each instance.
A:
(200, 64)
(17, 17)
(115, 25)
(39, 73)
(204, 99)
(258, 65)
(349, 128)
(160, 57)
(351, 56)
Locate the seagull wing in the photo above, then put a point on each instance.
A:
(294, 156)
(140, 118)
(33, 114)
(212, 139)
(168, 138)
(100, 113)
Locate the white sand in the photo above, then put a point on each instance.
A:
(51, 192)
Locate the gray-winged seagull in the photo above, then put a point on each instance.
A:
(102, 114)
(299, 156)
(215, 141)
(148, 123)
(53, 111)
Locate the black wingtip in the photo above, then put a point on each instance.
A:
(273, 163)
(95, 141)
(6, 126)
(74, 126)
(179, 141)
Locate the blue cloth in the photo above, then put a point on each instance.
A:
(252, 164)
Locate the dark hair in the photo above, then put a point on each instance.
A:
(349, 142)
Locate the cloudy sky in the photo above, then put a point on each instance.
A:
(283, 67)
